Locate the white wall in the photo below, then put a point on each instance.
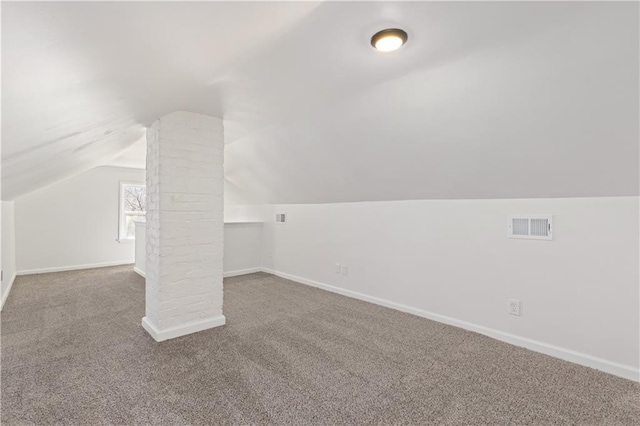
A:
(452, 258)
(244, 212)
(242, 247)
(140, 265)
(73, 223)
(8, 248)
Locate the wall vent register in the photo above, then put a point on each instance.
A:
(281, 217)
(531, 227)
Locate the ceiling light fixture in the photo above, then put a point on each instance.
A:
(389, 39)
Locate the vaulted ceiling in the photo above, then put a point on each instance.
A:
(486, 100)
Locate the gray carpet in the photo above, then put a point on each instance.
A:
(73, 352)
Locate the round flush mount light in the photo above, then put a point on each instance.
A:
(389, 40)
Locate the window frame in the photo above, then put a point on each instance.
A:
(121, 214)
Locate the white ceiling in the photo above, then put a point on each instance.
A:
(486, 100)
(82, 80)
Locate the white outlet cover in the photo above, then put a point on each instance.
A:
(513, 307)
(344, 270)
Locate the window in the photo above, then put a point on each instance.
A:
(133, 206)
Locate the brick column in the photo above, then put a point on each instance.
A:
(185, 225)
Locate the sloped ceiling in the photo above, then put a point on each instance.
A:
(486, 100)
(82, 80)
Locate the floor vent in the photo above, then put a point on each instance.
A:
(532, 227)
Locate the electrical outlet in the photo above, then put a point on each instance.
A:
(337, 268)
(513, 307)
(344, 270)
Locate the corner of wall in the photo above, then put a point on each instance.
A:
(8, 249)
(5, 293)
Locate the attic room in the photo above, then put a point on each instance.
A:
(392, 213)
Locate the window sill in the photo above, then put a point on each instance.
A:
(126, 240)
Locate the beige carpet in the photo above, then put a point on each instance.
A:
(73, 352)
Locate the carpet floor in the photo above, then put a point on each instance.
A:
(73, 352)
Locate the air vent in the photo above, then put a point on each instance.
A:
(532, 227)
(281, 217)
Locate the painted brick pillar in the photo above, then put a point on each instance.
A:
(185, 225)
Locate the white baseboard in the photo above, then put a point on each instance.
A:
(74, 268)
(5, 296)
(225, 275)
(137, 270)
(173, 332)
(626, 371)
(242, 272)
